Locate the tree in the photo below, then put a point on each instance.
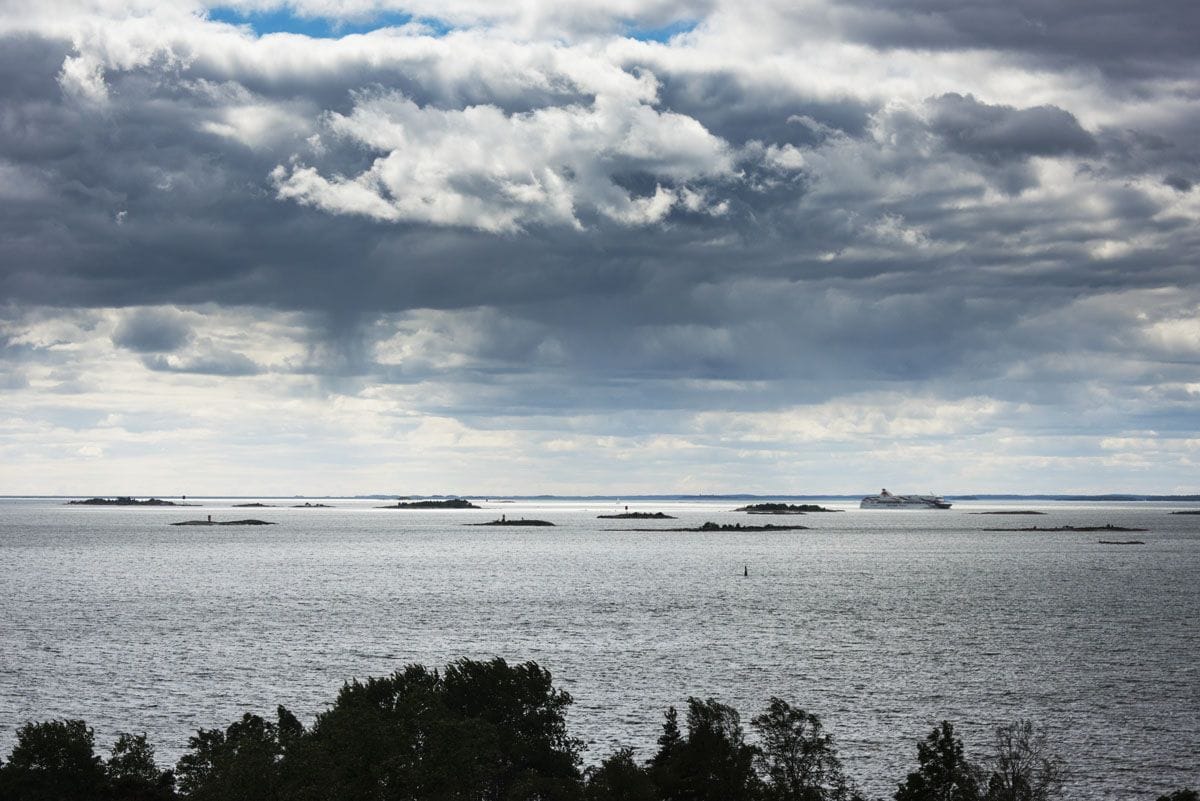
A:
(480, 730)
(797, 759)
(238, 764)
(54, 761)
(619, 778)
(670, 740)
(714, 762)
(132, 759)
(1021, 766)
(367, 744)
(518, 708)
(133, 774)
(944, 773)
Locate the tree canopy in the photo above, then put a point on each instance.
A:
(494, 731)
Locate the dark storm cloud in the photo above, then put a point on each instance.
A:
(997, 134)
(1169, 149)
(1125, 40)
(740, 111)
(1178, 182)
(152, 331)
(215, 362)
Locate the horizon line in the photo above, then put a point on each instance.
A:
(666, 496)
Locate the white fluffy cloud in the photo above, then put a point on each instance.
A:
(483, 168)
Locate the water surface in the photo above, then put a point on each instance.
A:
(882, 622)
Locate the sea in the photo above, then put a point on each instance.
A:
(882, 622)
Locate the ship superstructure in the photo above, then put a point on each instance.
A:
(886, 500)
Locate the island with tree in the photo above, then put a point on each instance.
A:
(125, 500)
(783, 509)
(637, 516)
(734, 527)
(452, 503)
(1105, 527)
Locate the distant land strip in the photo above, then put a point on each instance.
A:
(1109, 527)
(733, 527)
(1194, 498)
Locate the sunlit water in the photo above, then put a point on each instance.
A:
(882, 622)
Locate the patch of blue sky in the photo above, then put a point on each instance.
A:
(661, 33)
(285, 20)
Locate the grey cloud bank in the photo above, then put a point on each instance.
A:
(796, 248)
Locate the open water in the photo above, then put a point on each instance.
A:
(881, 622)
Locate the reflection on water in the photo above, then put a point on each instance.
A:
(882, 622)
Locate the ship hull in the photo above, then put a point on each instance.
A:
(886, 500)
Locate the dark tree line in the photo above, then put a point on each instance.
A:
(490, 731)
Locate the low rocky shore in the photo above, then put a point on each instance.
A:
(211, 522)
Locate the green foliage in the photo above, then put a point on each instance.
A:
(1181, 795)
(480, 730)
(132, 759)
(944, 773)
(133, 774)
(490, 731)
(619, 778)
(54, 761)
(238, 764)
(670, 740)
(520, 713)
(713, 763)
(796, 758)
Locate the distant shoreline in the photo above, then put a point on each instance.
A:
(496, 498)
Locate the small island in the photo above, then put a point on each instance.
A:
(211, 522)
(783, 509)
(1009, 512)
(1121, 542)
(737, 527)
(1187, 512)
(1105, 527)
(504, 521)
(307, 505)
(637, 516)
(252, 505)
(126, 501)
(453, 503)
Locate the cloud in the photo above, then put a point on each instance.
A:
(209, 362)
(482, 168)
(996, 133)
(527, 220)
(152, 331)
(1124, 41)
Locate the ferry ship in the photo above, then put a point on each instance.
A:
(886, 500)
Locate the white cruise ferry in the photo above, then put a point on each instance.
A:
(886, 500)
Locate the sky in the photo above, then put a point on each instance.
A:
(610, 246)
